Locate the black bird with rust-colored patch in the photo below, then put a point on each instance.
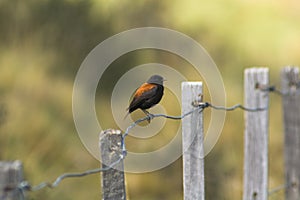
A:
(147, 95)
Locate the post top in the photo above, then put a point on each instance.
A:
(192, 83)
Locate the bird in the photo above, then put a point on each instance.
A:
(147, 95)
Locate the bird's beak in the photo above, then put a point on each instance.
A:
(164, 80)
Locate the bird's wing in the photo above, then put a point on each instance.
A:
(143, 93)
(145, 89)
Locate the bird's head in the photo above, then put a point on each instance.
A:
(156, 79)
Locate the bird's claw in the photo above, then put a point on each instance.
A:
(149, 117)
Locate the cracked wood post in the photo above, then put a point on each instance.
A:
(192, 143)
(256, 135)
(291, 109)
(113, 179)
(11, 174)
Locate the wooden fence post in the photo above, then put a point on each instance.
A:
(112, 180)
(11, 174)
(192, 141)
(256, 135)
(291, 113)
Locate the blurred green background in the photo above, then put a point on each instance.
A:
(42, 44)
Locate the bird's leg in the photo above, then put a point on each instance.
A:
(149, 115)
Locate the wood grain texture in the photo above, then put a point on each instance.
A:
(192, 141)
(256, 136)
(11, 174)
(112, 180)
(291, 117)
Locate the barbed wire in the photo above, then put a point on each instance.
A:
(295, 89)
(150, 116)
(24, 185)
(278, 189)
(198, 106)
(237, 106)
(282, 187)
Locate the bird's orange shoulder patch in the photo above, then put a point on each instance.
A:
(144, 88)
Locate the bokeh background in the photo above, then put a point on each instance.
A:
(42, 44)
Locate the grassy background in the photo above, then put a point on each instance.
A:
(42, 44)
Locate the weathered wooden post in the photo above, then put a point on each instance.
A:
(256, 135)
(192, 143)
(11, 174)
(291, 115)
(112, 179)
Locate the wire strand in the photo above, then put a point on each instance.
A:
(237, 106)
(149, 117)
(273, 89)
(199, 106)
(277, 189)
(26, 186)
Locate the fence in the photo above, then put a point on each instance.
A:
(257, 89)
